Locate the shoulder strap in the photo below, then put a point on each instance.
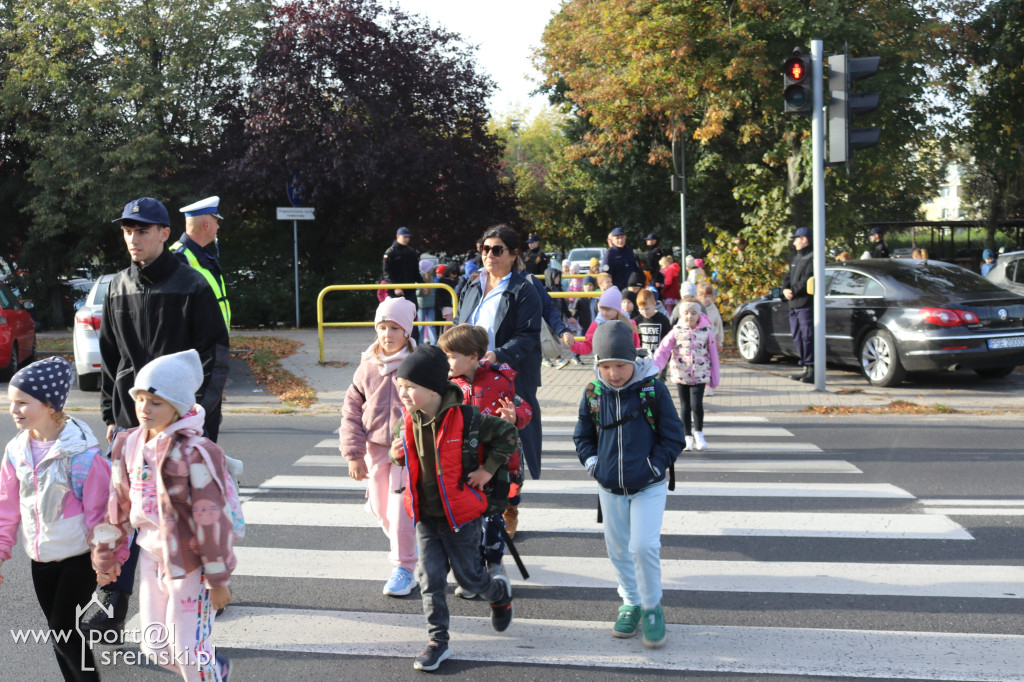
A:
(593, 394)
(648, 402)
(470, 438)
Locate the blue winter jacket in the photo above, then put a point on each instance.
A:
(631, 456)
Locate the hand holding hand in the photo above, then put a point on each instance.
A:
(567, 339)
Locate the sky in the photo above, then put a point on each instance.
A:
(505, 33)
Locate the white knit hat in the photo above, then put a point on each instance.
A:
(175, 378)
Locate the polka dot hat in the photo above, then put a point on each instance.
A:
(47, 380)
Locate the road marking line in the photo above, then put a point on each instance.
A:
(974, 511)
(686, 523)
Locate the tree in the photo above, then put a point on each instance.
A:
(384, 118)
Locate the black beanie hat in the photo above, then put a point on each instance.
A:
(426, 366)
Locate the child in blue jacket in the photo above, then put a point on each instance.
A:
(630, 406)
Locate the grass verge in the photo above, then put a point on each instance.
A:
(894, 407)
(263, 354)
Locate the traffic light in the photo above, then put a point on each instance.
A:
(843, 139)
(796, 83)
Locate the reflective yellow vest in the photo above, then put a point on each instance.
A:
(217, 286)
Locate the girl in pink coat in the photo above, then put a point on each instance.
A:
(371, 410)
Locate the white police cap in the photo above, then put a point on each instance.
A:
(202, 207)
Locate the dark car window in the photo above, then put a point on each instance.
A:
(7, 299)
(848, 283)
(1014, 271)
(932, 278)
(101, 291)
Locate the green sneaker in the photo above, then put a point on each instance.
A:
(652, 622)
(628, 621)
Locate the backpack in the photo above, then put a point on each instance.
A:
(232, 501)
(497, 488)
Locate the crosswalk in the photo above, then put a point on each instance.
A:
(758, 494)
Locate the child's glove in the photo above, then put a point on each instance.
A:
(591, 465)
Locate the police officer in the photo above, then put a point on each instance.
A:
(879, 249)
(202, 222)
(535, 260)
(801, 311)
(619, 261)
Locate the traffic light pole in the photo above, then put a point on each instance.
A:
(818, 204)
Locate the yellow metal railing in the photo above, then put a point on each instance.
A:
(596, 293)
(320, 324)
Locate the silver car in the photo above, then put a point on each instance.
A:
(1008, 272)
(86, 336)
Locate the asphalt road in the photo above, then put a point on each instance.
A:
(799, 547)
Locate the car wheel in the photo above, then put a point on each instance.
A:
(880, 359)
(994, 372)
(12, 366)
(750, 340)
(89, 382)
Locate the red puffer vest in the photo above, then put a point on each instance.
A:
(490, 385)
(461, 502)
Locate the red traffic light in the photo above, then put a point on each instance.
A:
(795, 69)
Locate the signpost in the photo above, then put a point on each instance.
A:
(295, 214)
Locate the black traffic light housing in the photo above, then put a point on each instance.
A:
(796, 84)
(843, 139)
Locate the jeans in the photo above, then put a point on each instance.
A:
(632, 533)
(61, 586)
(429, 333)
(442, 549)
(691, 399)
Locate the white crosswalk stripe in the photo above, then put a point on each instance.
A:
(306, 498)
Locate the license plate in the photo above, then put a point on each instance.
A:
(1006, 342)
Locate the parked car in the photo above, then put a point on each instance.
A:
(892, 316)
(17, 334)
(582, 256)
(86, 336)
(1008, 272)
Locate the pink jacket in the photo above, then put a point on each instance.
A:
(193, 517)
(587, 345)
(372, 407)
(57, 502)
(691, 354)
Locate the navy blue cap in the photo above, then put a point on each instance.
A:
(145, 210)
(403, 232)
(876, 230)
(802, 232)
(651, 236)
(532, 238)
(618, 232)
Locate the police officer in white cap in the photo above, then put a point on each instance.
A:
(202, 221)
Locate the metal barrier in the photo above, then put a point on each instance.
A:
(576, 294)
(320, 324)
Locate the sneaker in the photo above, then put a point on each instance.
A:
(577, 360)
(689, 443)
(559, 364)
(400, 583)
(652, 622)
(548, 363)
(463, 593)
(499, 570)
(501, 611)
(709, 392)
(223, 667)
(627, 622)
(698, 440)
(433, 656)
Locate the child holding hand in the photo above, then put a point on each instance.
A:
(371, 410)
(170, 484)
(54, 483)
(609, 307)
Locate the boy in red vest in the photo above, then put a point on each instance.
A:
(445, 498)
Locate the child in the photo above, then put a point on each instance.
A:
(706, 297)
(169, 483)
(445, 499)
(604, 283)
(628, 305)
(55, 479)
(609, 307)
(693, 351)
(372, 409)
(553, 283)
(670, 287)
(580, 312)
(490, 388)
(652, 324)
(632, 479)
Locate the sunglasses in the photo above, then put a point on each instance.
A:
(498, 250)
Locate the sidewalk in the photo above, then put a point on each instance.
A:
(744, 387)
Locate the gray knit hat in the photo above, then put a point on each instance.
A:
(614, 341)
(175, 378)
(47, 380)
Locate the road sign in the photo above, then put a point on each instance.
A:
(295, 213)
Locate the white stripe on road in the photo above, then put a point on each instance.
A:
(715, 648)
(691, 523)
(903, 580)
(789, 448)
(750, 466)
(683, 488)
(710, 432)
(974, 503)
(974, 511)
(708, 419)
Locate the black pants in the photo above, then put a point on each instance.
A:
(60, 587)
(691, 398)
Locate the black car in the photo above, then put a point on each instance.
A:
(893, 316)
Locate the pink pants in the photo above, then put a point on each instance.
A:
(175, 621)
(386, 505)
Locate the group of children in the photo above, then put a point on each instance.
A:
(77, 511)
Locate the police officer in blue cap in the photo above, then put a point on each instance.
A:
(193, 248)
(801, 310)
(619, 261)
(879, 249)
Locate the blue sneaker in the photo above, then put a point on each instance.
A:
(400, 583)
